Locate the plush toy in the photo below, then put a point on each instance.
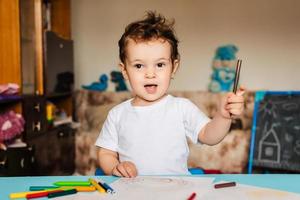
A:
(118, 79)
(98, 86)
(11, 125)
(65, 82)
(223, 69)
(9, 89)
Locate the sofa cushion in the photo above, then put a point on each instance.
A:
(229, 156)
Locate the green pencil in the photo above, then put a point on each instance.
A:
(72, 183)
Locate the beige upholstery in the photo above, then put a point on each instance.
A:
(229, 156)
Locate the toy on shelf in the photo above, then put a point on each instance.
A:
(223, 69)
(98, 86)
(9, 91)
(118, 79)
(11, 125)
(65, 82)
(50, 112)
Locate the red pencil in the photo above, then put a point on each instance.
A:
(37, 195)
(41, 194)
(192, 196)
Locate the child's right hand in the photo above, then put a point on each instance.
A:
(125, 169)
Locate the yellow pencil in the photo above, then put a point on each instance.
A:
(96, 185)
(23, 194)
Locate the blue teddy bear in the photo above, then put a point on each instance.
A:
(223, 69)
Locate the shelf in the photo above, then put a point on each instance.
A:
(24, 49)
(10, 99)
(58, 95)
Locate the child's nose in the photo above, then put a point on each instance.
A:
(150, 73)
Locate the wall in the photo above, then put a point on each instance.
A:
(267, 33)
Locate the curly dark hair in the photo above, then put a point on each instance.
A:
(154, 26)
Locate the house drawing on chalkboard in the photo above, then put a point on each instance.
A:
(269, 146)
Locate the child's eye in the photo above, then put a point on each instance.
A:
(160, 64)
(138, 66)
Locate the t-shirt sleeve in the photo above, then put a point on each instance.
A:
(108, 137)
(194, 120)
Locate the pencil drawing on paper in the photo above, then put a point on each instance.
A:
(156, 182)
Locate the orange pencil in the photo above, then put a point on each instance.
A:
(81, 188)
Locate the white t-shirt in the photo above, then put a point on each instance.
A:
(153, 137)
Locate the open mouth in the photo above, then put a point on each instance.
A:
(150, 88)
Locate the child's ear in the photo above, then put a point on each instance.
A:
(123, 70)
(175, 68)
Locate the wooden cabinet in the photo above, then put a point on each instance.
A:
(56, 152)
(10, 65)
(22, 28)
(18, 161)
(49, 153)
(34, 108)
(31, 45)
(61, 18)
(23, 25)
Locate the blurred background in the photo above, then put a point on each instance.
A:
(267, 34)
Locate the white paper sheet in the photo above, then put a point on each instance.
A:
(151, 188)
(247, 192)
(180, 188)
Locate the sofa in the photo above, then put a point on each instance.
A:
(229, 156)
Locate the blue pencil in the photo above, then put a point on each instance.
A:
(106, 187)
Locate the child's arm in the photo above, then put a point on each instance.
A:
(232, 106)
(109, 163)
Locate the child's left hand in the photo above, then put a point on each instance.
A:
(232, 105)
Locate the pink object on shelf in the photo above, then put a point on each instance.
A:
(11, 125)
(9, 89)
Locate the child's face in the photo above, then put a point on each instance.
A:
(149, 69)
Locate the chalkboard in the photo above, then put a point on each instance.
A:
(275, 140)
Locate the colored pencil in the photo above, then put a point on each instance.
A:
(72, 183)
(41, 194)
(80, 188)
(107, 188)
(237, 76)
(38, 188)
(37, 195)
(223, 185)
(192, 196)
(62, 193)
(96, 185)
(23, 194)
